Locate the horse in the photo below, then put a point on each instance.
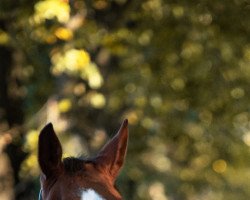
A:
(80, 179)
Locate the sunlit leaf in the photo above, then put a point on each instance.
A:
(49, 9)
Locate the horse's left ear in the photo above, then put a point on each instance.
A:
(112, 155)
(49, 152)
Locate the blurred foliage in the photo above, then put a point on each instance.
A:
(179, 71)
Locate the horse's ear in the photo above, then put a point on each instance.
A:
(49, 152)
(112, 155)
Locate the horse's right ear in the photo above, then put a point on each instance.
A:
(112, 155)
(49, 152)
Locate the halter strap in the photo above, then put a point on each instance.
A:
(40, 195)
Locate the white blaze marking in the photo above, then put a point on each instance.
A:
(90, 194)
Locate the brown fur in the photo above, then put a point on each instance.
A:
(65, 180)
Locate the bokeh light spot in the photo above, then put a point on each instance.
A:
(64, 33)
(237, 93)
(97, 100)
(246, 138)
(4, 37)
(178, 11)
(64, 105)
(178, 84)
(31, 140)
(50, 9)
(219, 166)
(157, 191)
(79, 89)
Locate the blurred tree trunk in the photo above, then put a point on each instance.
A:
(11, 119)
(6, 175)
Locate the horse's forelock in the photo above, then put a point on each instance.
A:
(73, 165)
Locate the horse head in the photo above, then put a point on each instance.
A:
(80, 179)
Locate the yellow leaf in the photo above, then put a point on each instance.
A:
(64, 34)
